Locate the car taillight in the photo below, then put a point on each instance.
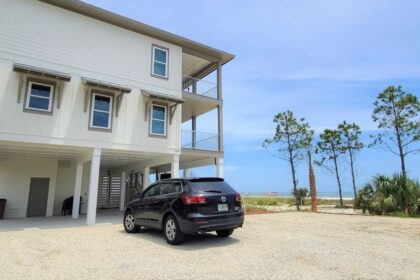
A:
(194, 199)
(238, 197)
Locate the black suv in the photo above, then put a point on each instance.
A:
(186, 206)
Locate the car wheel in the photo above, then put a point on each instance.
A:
(129, 224)
(224, 233)
(173, 233)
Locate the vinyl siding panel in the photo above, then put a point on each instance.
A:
(45, 36)
(15, 177)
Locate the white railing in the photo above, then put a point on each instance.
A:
(192, 139)
(199, 87)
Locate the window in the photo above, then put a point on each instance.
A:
(39, 97)
(101, 111)
(160, 62)
(152, 191)
(158, 120)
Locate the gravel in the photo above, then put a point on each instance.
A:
(269, 246)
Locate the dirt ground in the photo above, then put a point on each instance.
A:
(270, 246)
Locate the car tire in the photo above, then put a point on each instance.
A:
(172, 231)
(129, 224)
(225, 232)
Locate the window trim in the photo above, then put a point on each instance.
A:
(111, 110)
(52, 85)
(165, 119)
(154, 47)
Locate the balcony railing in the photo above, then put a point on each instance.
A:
(192, 139)
(199, 87)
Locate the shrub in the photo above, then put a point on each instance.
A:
(389, 194)
(300, 194)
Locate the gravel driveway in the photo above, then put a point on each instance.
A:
(270, 246)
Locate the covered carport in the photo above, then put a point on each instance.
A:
(71, 171)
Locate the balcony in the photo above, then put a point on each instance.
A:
(192, 139)
(199, 87)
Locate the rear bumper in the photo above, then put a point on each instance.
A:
(195, 223)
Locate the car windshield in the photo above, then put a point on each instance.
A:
(210, 186)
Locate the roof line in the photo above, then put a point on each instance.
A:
(142, 28)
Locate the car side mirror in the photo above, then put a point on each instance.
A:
(137, 195)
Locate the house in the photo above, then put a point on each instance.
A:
(93, 103)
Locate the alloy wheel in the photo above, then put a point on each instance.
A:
(129, 222)
(170, 229)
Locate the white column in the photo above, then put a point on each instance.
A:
(146, 173)
(93, 187)
(187, 172)
(122, 194)
(175, 166)
(219, 167)
(76, 193)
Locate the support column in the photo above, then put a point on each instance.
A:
(122, 194)
(175, 166)
(194, 131)
(146, 173)
(93, 187)
(187, 172)
(76, 193)
(219, 167)
(219, 107)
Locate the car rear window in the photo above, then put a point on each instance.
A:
(209, 186)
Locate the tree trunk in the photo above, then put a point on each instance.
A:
(292, 166)
(338, 176)
(312, 185)
(399, 141)
(353, 179)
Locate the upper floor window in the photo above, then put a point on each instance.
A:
(39, 97)
(158, 120)
(160, 62)
(101, 111)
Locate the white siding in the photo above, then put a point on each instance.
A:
(42, 35)
(15, 177)
(66, 175)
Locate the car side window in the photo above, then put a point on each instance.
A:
(169, 188)
(177, 187)
(152, 191)
(165, 188)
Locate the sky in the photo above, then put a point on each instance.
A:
(325, 60)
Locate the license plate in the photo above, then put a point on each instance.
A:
(222, 207)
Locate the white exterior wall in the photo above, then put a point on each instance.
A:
(15, 177)
(46, 36)
(66, 176)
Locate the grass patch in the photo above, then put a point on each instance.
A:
(277, 200)
(402, 214)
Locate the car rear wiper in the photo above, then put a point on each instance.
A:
(213, 191)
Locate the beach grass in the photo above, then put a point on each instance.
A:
(279, 200)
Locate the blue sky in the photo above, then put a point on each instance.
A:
(324, 60)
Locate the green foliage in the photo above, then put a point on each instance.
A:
(329, 146)
(300, 194)
(396, 113)
(291, 138)
(389, 194)
(291, 141)
(350, 133)
(351, 144)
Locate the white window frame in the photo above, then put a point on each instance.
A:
(92, 110)
(166, 62)
(29, 94)
(164, 120)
